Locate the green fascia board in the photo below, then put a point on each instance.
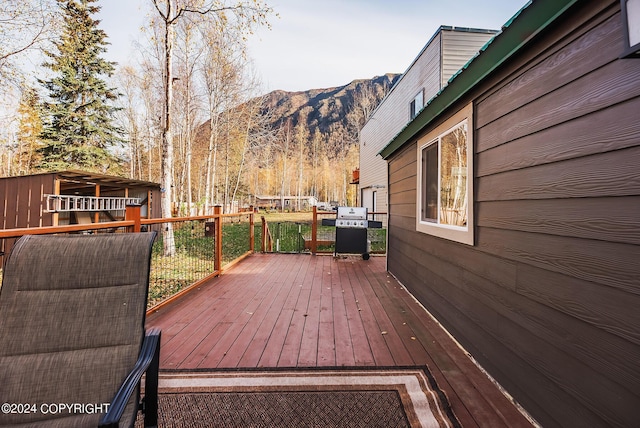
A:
(527, 23)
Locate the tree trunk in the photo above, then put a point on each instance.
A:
(212, 157)
(225, 195)
(300, 174)
(244, 152)
(167, 142)
(284, 168)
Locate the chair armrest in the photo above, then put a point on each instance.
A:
(148, 361)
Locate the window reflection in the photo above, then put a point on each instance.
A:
(444, 175)
(453, 177)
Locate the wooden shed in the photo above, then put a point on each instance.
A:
(514, 212)
(73, 197)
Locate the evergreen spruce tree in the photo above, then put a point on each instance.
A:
(78, 131)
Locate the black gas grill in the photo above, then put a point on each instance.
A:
(351, 230)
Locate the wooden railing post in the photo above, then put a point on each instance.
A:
(252, 236)
(132, 212)
(314, 231)
(263, 244)
(217, 212)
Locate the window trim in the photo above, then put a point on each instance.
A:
(414, 109)
(462, 234)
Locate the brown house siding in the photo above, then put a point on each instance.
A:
(548, 298)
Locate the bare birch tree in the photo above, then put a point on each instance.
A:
(190, 51)
(285, 154)
(301, 138)
(24, 26)
(220, 77)
(258, 134)
(246, 15)
(129, 117)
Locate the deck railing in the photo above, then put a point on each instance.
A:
(306, 234)
(203, 246)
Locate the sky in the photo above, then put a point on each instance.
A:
(326, 43)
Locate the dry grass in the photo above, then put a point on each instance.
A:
(276, 217)
(293, 217)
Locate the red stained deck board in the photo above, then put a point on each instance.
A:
(403, 337)
(326, 328)
(274, 310)
(263, 328)
(171, 319)
(388, 329)
(362, 353)
(308, 352)
(246, 316)
(373, 331)
(276, 340)
(291, 347)
(203, 315)
(342, 341)
(250, 345)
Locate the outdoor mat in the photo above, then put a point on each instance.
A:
(303, 398)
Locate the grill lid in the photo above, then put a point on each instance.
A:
(352, 213)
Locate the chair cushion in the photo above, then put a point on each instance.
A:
(72, 312)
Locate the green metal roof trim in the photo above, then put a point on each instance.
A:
(529, 21)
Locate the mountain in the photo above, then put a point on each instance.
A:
(304, 143)
(333, 112)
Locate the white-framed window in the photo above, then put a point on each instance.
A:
(445, 179)
(416, 105)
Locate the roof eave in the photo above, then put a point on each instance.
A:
(533, 18)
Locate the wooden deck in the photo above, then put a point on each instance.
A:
(276, 310)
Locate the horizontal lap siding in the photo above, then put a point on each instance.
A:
(558, 194)
(601, 131)
(402, 211)
(527, 86)
(547, 300)
(457, 48)
(402, 181)
(592, 218)
(392, 115)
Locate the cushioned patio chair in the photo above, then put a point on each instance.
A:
(72, 339)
